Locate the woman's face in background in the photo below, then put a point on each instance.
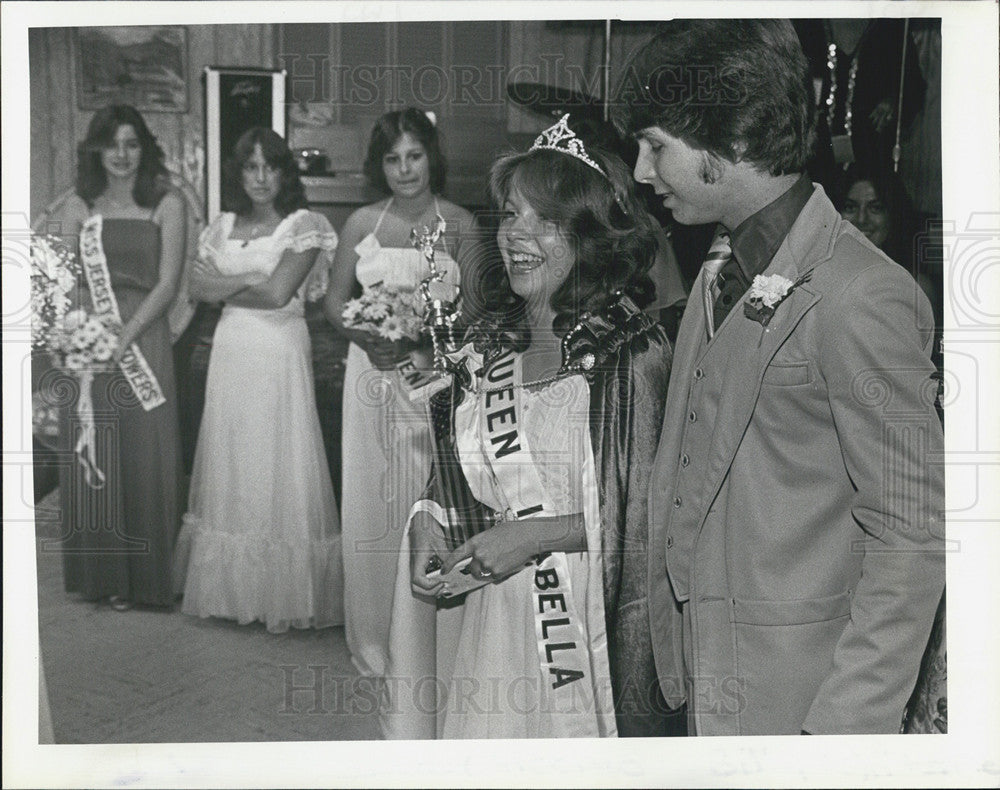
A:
(261, 180)
(121, 158)
(864, 210)
(406, 167)
(536, 254)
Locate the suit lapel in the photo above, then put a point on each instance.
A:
(743, 347)
(746, 349)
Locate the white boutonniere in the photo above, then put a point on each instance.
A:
(766, 293)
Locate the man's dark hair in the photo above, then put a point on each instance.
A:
(737, 88)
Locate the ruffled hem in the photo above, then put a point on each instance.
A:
(248, 578)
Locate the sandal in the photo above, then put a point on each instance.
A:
(120, 604)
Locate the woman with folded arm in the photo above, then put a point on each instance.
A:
(261, 538)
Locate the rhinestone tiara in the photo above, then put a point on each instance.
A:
(559, 137)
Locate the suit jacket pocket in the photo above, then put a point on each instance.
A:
(805, 610)
(790, 375)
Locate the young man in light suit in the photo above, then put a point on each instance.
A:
(796, 503)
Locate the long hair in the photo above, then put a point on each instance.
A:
(738, 89)
(152, 179)
(611, 234)
(291, 195)
(387, 131)
(889, 189)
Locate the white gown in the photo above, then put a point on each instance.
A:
(476, 667)
(386, 462)
(261, 538)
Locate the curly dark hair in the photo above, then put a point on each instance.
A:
(152, 180)
(612, 235)
(292, 194)
(388, 129)
(738, 88)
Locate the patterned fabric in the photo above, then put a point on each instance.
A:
(718, 254)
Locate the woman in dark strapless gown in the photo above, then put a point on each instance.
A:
(117, 539)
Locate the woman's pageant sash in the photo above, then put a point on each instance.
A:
(562, 648)
(95, 267)
(413, 378)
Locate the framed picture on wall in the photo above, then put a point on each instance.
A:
(237, 99)
(143, 66)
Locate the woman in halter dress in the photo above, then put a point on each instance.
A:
(118, 537)
(386, 437)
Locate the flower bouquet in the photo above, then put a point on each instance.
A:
(54, 272)
(395, 314)
(389, 313)
(78, 342)
(84, 343)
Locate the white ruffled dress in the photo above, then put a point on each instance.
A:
(261, 538)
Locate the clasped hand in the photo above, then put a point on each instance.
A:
(496, 553)
(385, 354)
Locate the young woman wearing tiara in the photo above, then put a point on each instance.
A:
(543, 446)
(386, 438)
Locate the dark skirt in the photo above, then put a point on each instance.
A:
(117, 540)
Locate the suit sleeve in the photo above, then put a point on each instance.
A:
(876, 362)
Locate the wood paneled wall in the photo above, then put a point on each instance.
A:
(475, 122)
(57, 123)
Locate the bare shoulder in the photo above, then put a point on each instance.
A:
(75, 204)
(455, 215)
(359, 224)
(363, 219)
(171, 204)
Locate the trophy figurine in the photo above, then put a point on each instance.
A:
(440, 311)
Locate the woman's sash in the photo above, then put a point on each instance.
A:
(133, 364)
(563, 653)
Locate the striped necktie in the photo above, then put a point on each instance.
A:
(718, 254)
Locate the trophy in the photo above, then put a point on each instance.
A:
(440, 310)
